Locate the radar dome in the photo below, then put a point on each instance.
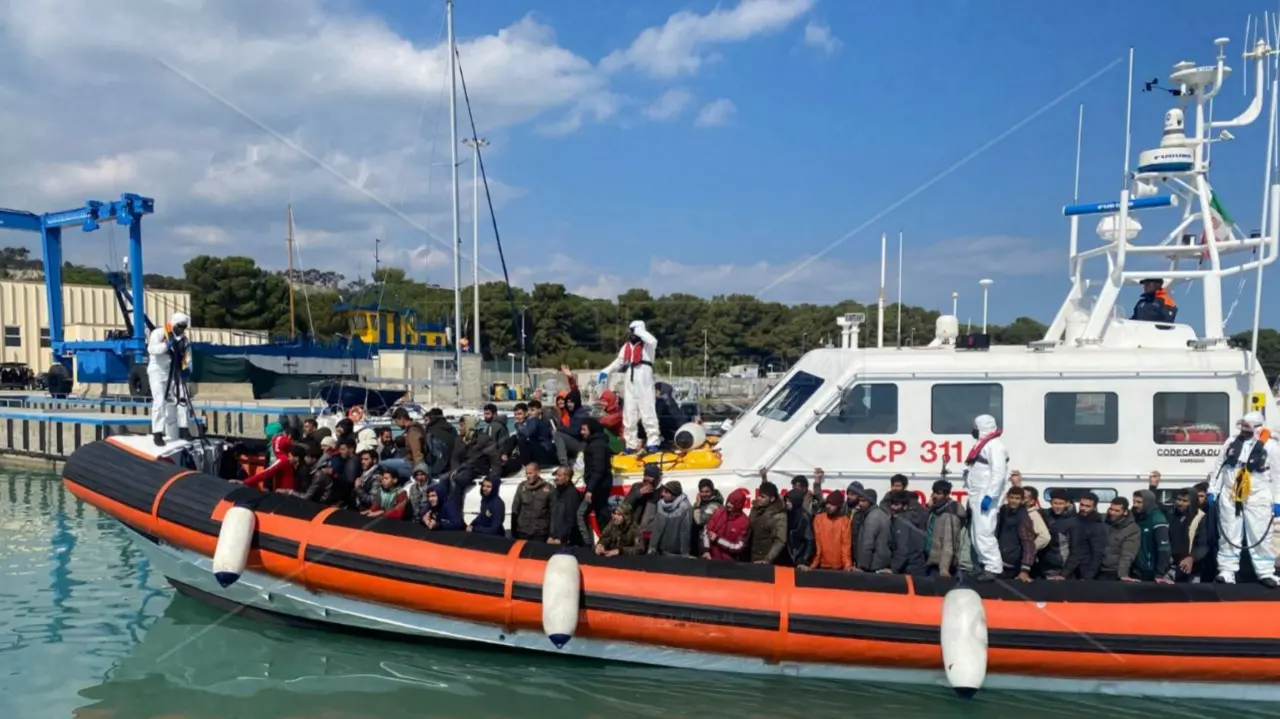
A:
(947, 329)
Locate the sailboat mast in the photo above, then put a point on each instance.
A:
(293, 322)
(453, 154)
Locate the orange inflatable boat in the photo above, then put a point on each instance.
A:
(309, 564)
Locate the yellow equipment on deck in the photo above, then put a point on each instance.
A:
(704, 457)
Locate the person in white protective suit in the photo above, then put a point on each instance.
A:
(168, 354)
(638, 403)
(1245, 488)
(985, 474)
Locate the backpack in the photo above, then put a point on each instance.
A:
(438, 456)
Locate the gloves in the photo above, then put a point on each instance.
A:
(1275, 510)
(986, 504)
(1211, 497)
(602, 377)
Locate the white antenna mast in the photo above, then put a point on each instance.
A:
(456, 237)
(1270, 213)
(1075, 199)
(884, 239)
(899, 342)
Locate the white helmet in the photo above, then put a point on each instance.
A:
(1252, 420)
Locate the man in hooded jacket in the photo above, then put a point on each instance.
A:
(986, 470)
(1244, 488)
(493, 511)
(638, 407)
(728, 531)
(597, 471)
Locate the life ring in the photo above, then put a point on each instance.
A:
(356, 413)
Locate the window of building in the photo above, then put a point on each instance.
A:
(1081, 418)
(793, 395)
(45, 342)
(1105, 495)
(955, 405)
(864, 409)
(12, 336)
(1191, 417)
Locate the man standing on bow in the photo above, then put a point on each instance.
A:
(986, 471)
(168, 357)
(1245, 485)
(638, 404)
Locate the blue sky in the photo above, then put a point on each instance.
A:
(603, 175)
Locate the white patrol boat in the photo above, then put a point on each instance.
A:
(1096, 405)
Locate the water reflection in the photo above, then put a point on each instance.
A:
(88, 630)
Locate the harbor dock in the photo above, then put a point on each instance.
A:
(38, 429)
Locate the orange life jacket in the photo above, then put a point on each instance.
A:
(633, 354)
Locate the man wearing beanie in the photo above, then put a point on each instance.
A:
(768, 526)
(705, 504)
(831, 532)
(672, 523)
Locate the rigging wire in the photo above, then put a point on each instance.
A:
(484, 176)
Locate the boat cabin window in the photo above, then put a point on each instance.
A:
(1081, 418)
(359, 322)
(864, 409)
(955, 405)
(791, 396)
(1191, 417)
(1105, 495)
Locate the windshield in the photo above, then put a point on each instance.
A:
(793, 395)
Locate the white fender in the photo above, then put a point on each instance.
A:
(561, 592)
(234, 540)
(691, 435)
(964, 641)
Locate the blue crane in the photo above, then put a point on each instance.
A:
(111, 360)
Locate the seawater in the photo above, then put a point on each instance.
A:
(88, 630)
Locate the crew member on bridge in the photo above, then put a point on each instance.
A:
(985, 475)
(1247, 494)
(1155, 304)
(638, 405)
(168, 357)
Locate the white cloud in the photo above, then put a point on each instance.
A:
(669, 105)
(357, 106)
(677, 47)
(819, 35)
(716, 112)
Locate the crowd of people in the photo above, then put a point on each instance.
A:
(1132, 539)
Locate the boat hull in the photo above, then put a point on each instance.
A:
(340, 569)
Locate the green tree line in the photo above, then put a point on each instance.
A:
(558, 326)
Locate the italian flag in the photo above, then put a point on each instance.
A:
(1222, 222)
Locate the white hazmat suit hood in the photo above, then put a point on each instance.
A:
(639, 404)
(165, 346)
(1247, 486)
(985, 474)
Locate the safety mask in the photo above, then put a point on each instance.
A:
(974, 432)
(633, 339)
(1246, 433)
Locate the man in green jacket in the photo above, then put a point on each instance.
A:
(1152, 562)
